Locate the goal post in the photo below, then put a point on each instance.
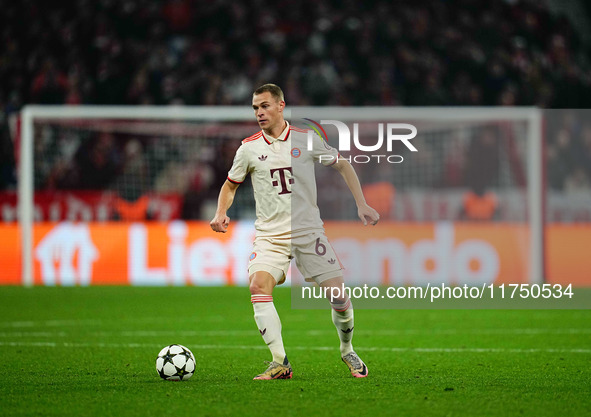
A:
(31, 113)
(438, 122)
(536, 196)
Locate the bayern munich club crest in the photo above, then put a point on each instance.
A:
(295, 152)
(252, 256)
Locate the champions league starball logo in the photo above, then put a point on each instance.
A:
(402, 132)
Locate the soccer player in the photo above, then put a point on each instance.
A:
(286, 230)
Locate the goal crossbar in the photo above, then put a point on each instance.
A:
(532, 116)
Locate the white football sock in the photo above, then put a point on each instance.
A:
(269, 324)
(342, 317)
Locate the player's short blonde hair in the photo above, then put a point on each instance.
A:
(274, 89)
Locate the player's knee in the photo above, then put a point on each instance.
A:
(335, 290)
(255, 288)
(339, 300)
(261, 283)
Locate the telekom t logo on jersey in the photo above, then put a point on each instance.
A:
(283, 180)
(345, 139)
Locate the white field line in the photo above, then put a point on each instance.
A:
(94, 322)
(32, 334)
(72, 322)
(386, 332)
(307, 348)
(246, 333)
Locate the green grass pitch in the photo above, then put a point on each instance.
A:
(91, 351)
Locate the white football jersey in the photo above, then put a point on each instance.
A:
(283, 180)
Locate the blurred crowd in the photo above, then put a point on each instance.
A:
(324, 52)
(452, 52)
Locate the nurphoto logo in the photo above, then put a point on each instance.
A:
(402, 132)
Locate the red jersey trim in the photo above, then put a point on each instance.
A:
(234, 182)
(334, 162)
(283, 140)
(253, 137)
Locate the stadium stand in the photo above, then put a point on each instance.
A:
(409, 53)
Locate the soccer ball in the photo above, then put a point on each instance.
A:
(175, 363)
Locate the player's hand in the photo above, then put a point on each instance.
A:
(368, 215)
(220, 223)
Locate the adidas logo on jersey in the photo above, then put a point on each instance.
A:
(331, 261)
(263, 157)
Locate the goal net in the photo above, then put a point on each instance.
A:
(138, 165)
(462, 189)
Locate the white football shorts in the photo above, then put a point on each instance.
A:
(313, 253)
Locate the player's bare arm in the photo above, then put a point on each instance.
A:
(364, 211)
(221, 221)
